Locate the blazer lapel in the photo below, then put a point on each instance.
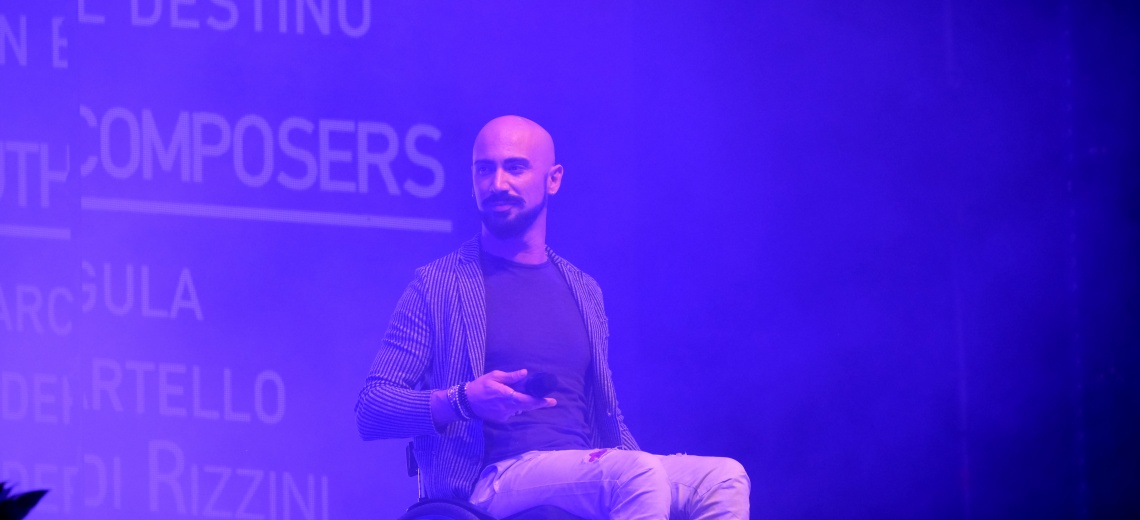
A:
(472, 305)
(591, 315)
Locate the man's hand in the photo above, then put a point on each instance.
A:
(492, 399)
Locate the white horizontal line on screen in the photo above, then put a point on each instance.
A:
(50, 233)
(290, 216)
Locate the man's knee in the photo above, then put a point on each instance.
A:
(643, 486)
(727, 469)
(723, 491)
(644, 468)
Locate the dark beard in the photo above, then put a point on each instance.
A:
(504, 228)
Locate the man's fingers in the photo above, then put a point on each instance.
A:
(528, 402)
(508, 377)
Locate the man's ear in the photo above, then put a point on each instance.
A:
(554, 179)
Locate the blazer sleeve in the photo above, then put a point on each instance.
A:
(627, 442)
(626, 439)
(392, 403)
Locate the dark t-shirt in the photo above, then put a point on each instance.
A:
(533, 322)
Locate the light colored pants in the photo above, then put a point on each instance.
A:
(615, 484)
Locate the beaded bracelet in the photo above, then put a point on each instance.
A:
(453, 400)
(464, 404)
(457, 397)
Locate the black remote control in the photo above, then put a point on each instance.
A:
(537, 384)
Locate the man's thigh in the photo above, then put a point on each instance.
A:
(582, 482)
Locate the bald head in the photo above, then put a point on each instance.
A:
(513, 173)
(517, 135)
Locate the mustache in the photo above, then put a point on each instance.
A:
(502, 197)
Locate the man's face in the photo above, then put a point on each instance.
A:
(513, 173)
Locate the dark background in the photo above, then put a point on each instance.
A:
(884, 254)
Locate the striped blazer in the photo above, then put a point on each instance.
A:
(437, 338)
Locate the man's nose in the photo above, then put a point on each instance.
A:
(499, 182)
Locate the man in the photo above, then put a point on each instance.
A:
(470, 328)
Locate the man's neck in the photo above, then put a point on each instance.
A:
(529, 248)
